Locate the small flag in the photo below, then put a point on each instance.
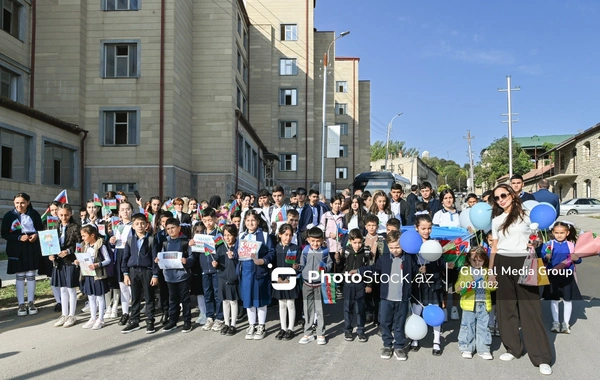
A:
(290, 257)
(208, 250)
(218, 240)
(328, 290)
(342, 232)
(221, 223)
(114, 221)
(45, 215)
(78, 248)
(150, 218)
(62, 197)
(110, 203)
(16, 225)
(97, 201)
(467, 289)
(199, 210)
(119, 197)
(234, 207)
(169, 205)
(52, 221)
(322, 266)
(279, 217)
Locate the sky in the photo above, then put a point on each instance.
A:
(441, 63)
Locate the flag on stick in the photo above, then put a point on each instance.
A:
(16, 225)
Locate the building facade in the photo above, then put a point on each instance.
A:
(412, 168)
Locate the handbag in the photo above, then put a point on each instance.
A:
(530, 273)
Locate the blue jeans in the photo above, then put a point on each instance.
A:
(214, 306)
(474, 333)
(392, 315)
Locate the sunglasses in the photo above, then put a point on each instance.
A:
(502, 196)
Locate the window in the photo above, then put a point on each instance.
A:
(341, 86)
(287, 66)
(587, 148)
(289, 32)
(59, 165)
(120, 127)
(288, 129)
(120, 60)
(574, 190)
(247, 156)
(341, 108)
(239, 61)
(246, 40)
(10, 17)
(343, 150)
(254, 168)
(9, 84)
(15, 155)
(288, 162)
(245, 74)
(240, 150)
(341, 173)
(588, 188)
(343, 128)
(239, 24)
(121, 5)
(124, 187)
(288, 97)
(242, 102)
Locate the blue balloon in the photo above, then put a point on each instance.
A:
(411, 241)
(543, 214)
(481, 215)
(433, 315)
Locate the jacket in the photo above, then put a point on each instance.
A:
(354, 260)
(331, 222)
(142, 258)
(306, 216)
(72, 237)
(311, 262)
(227, 268)
(266, 252)
(101, 272)
(467, 300)
(383, 265)
(206, 261)
(180, 244)
(404, 213)
(13, 244)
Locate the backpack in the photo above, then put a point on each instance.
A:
(110, 268)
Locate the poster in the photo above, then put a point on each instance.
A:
(49, 242)
(204, 244)
(170, 260)
(247, 248)
(85, 260)
(121, 233)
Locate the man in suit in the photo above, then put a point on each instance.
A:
(400, 208)
(312, 212)
(544, 195)
(516, 182)
(412, 200)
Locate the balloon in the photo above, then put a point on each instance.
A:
(546, 203)
(411, 241)
(464, 219)
(415, 328)
(431, 250)
(529, 205)
(433, 315)
(534, 226)
(481, 215)
(543, 214)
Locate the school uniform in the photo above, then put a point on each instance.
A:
(22, 256)
(311, 261)
(227, 273)
(97, 285)
(311, 215)
(255, 287)
(178, 279)
(562, 286)
(376, 245)
(401, 211)
(139, 265)
(210, 283)
(65, 274)
(291, 251)
(354, 293)
(427, 287)
(163, 293)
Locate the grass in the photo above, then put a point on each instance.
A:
(3, 256)
(8, 294)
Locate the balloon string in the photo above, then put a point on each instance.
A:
(419, 302)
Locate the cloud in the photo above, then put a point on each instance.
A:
(480, 56)
(531, 69)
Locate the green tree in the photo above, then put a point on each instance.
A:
(449, 173)
(396, 147)
(494, 162)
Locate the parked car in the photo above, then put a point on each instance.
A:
(580, 206)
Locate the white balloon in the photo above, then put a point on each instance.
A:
(415, 328)
(465, 219)
(529, 205)
(534, 226)
(431, 250)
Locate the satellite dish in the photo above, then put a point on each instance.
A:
(425, 154)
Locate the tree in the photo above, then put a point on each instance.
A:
(494, 162)
(449, 173)
(396, 147)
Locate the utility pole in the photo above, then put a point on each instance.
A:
(469, 138)
(387, 142)
(508, 90)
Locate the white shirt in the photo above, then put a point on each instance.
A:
(444, 218)
(396, 210)
(26, 224)
(383, 219)
(514, 242)
(353, 223)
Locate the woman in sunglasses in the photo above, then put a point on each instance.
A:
(517, 305)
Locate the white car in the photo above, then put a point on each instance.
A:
(580, 206)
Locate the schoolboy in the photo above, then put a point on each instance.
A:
(125, 210)
(293, 218)
(141, 273)
(314, 257)
(392, 224)
(277, 211)
(399, 207)
(376, 245)
(210, 279)
(428, 196)
(163, 295)
(178, 280)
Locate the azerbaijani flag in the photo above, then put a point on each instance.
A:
(328, 291)
(45, 215)
(218, 240)
(455, 251)
(16, 225)
(234, 207)
(221, 223)
(52, 221)
(279, 217)
(114, 220)
(208, 250)
(467, 289)
(342, 232)
(290, 257)
(78, 248)
(62, 197)
(110, 203)
(322, 266)
(97, 201)
(169, 205)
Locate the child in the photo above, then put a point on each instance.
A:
(558, 253)
(141, 273)
(355, 217)
(226, 263)
(381, 208)
(332, 221)
(287, 255)
(46, 265)
(392, 224)
(293, 218)
(493, 324)
(236, 218)
(314, 258)
(255, 289)
(428, 196)
(95, 287)
(65, 275)
(376, 246)
(196, 287)
(178, 280)
(353, 257)
(160, 238)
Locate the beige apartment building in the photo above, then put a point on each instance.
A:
(196, 98)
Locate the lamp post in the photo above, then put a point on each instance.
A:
(325, 59)
(387, 144)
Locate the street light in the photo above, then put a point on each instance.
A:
(387, 144)
(325, 59)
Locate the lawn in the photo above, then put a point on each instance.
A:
(3, 256)
(8, 294)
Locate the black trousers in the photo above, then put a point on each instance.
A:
(140, 286)
(179, 293)
(163, 293)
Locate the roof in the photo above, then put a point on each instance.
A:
(530, 175)
(534, 141)
(575, 138)
(39, 115)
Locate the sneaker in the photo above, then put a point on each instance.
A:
(86, 307)
(362, 337)
(379, 332)
(260, 332)
(71, 321)
(386, 352)
(89, 324)
(208, 325)
(170, 326)
(507, 356)
(486, 356)
(454, 314)
(566, 329)
(80, 296)
(57, 308)
(131, 327)
(250, 332)
(289, 335)
(555, 327)
(400, 354)
(545, 369)
(348, 336)
(150, 329)
(280, 335)
(31, 309)
(467, 355)
(224, 329)
(201, 319)
(231, 331)
(98, 325)
(61, 321)
(22, 311)
(218, 325)
(114, 313)
(306, 339)
(321, 340)
(124, 319)
(187, 327)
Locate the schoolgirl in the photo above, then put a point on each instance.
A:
(226, 264)
(287, 255)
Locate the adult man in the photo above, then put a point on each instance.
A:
(544, 195)
(311, 214)
(516, 182)
(411, 201)
(399, 206)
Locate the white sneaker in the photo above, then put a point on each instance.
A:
(545, 369)
(22, 310)
(61, 321)
(250, 332)
(454, 314)
(321, 340)
(31, 308)
(71, 321)
(89, 324)
(555, 327)
(86, 308)
(98, 325)
(208, 325)
(218, 325)
(306, 339)
(201, 319)
(260, 332)
(467, 355)
(486, 356)
(566, 329)
(507, 356)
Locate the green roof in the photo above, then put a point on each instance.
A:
(531, 142)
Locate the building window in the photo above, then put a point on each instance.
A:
(9, 82)
(245, 39)
(240, 150)
(59, 165)
(242, 102)
(124, 187)
(341, 86)
(587, 148)
(287, 66)
(10, 17)
(288, 129)
(343, 129)
(254, 163)
(341, 173)
(121, 5)
(120, 127)
(288, 97)
(247, 156)
(341, 108)
(588, 188)
(239, 61)
(15, 156)
(288, 162)
(343, 150)
(239, 25)
(121, 60)
(245, 74)
(575, 190)
(289, 32)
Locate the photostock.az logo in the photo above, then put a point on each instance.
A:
(290, 272)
